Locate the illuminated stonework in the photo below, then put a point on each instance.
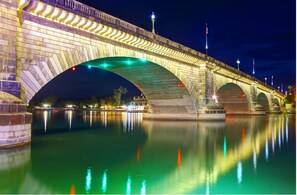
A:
(53, 36)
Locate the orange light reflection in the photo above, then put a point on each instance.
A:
(178, 158)
(72, 190)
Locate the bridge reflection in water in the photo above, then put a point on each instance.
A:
(120, 153)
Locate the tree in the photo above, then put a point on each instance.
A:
(67, 103)
(50, 100)
(117, 95)
(93, 101)
(109, 101)
(102, 102)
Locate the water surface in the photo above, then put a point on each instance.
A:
(92, 152)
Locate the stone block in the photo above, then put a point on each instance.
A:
(11, 87)
(15, 119)
(15, 135)
(4, 119)
(14, 93)
(4, 108)
(28, 118)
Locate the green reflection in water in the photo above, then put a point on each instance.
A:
(104, 181)
(118, 153)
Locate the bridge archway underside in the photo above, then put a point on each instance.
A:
(259, 98)
(162, 88)
(262, 100)
(233, 98)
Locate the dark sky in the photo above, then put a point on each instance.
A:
(243, 29)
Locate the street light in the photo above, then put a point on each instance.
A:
(265, 80)
(215, 98)
(238, 62)
(278, 87)
(153, 17)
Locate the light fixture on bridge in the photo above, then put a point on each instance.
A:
(238, 62)
(253, 67)
(266, 80)
(215, 98)
(143, 60)
(153, 17)
(105, 65)
(129, 62)
(181, 84)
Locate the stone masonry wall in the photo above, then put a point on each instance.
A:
(8, 26)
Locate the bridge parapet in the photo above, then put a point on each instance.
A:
(92, 15)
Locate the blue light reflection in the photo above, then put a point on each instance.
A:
(88, 181)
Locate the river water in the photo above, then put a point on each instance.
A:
(91, 152)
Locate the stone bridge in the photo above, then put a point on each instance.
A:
(40, 39)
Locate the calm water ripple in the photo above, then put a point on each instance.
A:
(91, 152)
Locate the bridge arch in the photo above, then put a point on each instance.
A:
(165, 92)
(234, 99)
(263, 100)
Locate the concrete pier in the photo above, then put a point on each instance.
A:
(15, 122)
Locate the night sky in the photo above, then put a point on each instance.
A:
(247, 29)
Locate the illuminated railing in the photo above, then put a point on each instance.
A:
(99, 16)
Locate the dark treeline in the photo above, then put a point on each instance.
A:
(115, 100)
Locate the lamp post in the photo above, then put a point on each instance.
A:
(254, 67)
(266, 80)
(153, 17)
(272, 80)
(238, 62)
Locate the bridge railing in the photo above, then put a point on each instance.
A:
(109, 20)
(104, 18)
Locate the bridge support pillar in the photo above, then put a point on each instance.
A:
(255, 107)
(274, 105)
(8, 42)
(208, 106)
(15, 122)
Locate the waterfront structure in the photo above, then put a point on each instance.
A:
(40, 39)
(139, 101)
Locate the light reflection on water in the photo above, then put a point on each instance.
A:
(88, 180)
(108, 152)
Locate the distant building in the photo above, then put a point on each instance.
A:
(138, 103)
